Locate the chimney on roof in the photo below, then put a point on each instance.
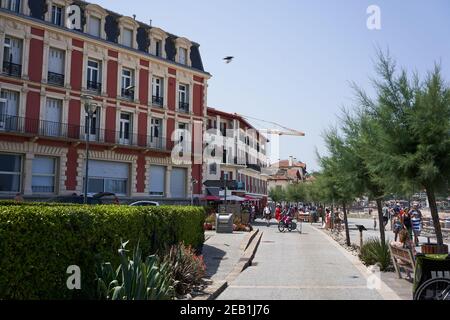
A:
(291, 161)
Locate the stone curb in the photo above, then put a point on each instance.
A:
(247, 255)
(246, 259)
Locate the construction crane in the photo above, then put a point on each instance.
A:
(285, 132)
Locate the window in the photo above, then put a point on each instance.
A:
(95, 26)
(156, 133)
(157, 180)
(53, 115)
(56, 63)
(127, 83)
(158, 46)
(12, 5)
(9, 110)
(95, 121)
(57, 15)
(43, 180)
(157, 91)
(182, 56)
(108, 177)
(178, 183)
(94, 75)
(213, 169)
(125, 128)
(183, 98)
(12, 56)
(127, 38)
(10, 172)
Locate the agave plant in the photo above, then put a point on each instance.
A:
(135, 279)
(374, 251)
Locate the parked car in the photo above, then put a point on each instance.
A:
(92, 199)
(145, 204)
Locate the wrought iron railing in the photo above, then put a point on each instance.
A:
(183, 107)
(50, 129)
(12, 69)
(128, 94)
(94, 86)
(55, 78)
(158, 101)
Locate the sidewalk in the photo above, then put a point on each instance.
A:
(222, 252)
(402, 287)
(293, 266)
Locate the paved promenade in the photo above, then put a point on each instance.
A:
(303, 266)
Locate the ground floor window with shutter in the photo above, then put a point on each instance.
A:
(107, 176)
(157, 183)
(44, 175)
(10, 172)
(178, 183)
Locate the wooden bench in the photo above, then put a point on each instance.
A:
(403, 260)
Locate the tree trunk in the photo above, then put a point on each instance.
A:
(380, 219)
(435, 215)
(347, 232)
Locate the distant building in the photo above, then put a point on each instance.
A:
(286, 172)
(244, 164)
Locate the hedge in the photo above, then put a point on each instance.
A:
(38, 243)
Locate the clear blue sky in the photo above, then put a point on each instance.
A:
(295, 58)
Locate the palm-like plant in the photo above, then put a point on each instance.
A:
(375, 252)
(135, 279)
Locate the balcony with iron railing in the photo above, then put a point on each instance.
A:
(128, 94)
(157, 101)
(12, 69)
(183, 107)
(94, 86)
(49, 129)
(55, 79)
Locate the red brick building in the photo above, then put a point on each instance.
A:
(147, 83)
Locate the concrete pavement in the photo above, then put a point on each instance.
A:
(294, 266)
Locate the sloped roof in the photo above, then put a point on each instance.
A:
(285, 164)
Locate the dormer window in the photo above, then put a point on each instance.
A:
(127, 39)
(95, 24)
(12, 5)
(182, 56)
(57, 15)
(158, 46)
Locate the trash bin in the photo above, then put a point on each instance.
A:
(224, 223)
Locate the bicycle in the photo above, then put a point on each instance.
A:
(288, 223)
(434, 289)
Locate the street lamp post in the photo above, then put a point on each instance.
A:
(193, 182)
(90, 109)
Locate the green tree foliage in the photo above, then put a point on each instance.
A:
(410, 122)
(277, 194)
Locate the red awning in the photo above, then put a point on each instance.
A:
(211, 198)
(250, 198)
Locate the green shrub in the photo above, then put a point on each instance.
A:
(39, 243)
(375, 252)
(188, 269)
(135, 279)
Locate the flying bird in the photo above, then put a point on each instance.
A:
(228, 59)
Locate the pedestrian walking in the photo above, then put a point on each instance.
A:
(18, 197)
(416, 221)
(278, 213)
(397, 227)
(407, 223)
